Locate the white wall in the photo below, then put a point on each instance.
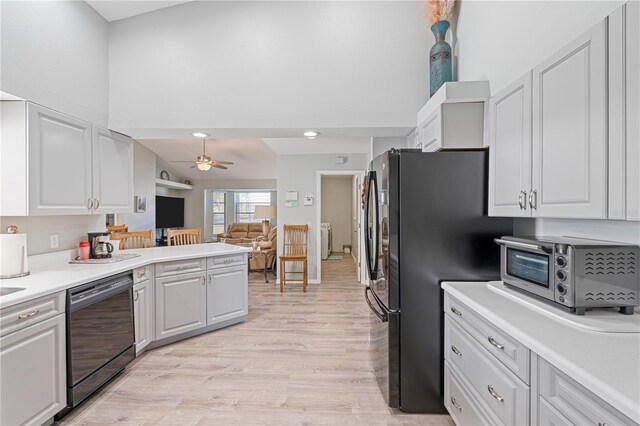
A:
(337, 194)
(56, 53)
(70, 229)
(299, 173)
(500, 41)
(144, 184)
(256, 64)
(380, 145)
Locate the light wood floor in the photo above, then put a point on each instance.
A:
(299, 359)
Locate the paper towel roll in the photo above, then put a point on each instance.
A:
(13, 255)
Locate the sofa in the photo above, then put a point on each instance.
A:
(241, 233)
(268, 244)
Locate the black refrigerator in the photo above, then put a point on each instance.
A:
(427, 222)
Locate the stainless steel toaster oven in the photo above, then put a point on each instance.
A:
(574, 272)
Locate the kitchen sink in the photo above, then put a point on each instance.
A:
(8, 290)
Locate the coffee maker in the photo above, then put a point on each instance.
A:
(101, 248)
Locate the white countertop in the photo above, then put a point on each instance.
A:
(52, 273)
(608, 364)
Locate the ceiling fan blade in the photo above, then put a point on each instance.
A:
(220, 166)
(182, 161)
(194, 166)
(231, 163)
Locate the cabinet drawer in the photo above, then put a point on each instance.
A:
(17, 317)
(547, 415)
(510, 352)
(574, 401)
(141, 274)
(180, 267)
(457, 398)
(506, 396)
(224, 261)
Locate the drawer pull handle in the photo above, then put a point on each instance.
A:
(455, 311)
(135, 299)
(602, 424)
(494, 343)
(456, 350)
(454, 401)
(29, 315)
(495, 394)
(142, 274)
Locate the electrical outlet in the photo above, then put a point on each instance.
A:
(53, 241)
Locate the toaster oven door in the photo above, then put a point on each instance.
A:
(528, 267)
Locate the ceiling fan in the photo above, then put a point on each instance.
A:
(204, 162)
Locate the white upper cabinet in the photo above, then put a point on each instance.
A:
(454, 103)
(624, 110)
(59, 163)
(510, 149)
(112, 172)
(569, 130)
(54, 164)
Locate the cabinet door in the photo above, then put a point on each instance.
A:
(431, 132)
(181, 304)
(510, 149)
(33, 370)
(59, 163)
(112, 172)
(632, 89)
(569, 130)
(143, 314)
(227, 294)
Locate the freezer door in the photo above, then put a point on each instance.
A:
(384, 341)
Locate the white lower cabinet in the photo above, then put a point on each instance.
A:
(33, 370)
(181, 304)
(226, 294)
(143, 308)
(481, 387)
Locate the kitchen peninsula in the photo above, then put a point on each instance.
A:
(178, 292)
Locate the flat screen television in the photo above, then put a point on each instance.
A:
(169, 212)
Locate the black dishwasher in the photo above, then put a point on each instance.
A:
(100, 334)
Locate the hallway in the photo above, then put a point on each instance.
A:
(298, 359)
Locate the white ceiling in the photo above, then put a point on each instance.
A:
(113, 10)
(252, 158)
(319, 145)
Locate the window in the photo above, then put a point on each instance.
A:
(219, 207)
(246, 203)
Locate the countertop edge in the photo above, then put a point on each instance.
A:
(601, 389)
(114, 268)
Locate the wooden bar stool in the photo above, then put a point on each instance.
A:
(183, 237)
(133, 240)
(294, 250)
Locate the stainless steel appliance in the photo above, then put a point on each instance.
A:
(100, 334)
(101, 248)
(426, 223)
(574, 272)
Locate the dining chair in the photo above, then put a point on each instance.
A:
(117, 228)
(134, 240)
(183, 237)
(294, 251)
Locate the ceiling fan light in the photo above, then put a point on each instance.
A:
(203, 166)
(200, 134)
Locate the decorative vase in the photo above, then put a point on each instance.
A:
(439, 57)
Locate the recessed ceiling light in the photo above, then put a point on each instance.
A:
(200, 134)
(311, 134)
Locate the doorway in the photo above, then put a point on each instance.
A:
(339, 213)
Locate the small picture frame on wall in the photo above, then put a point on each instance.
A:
(140, 203)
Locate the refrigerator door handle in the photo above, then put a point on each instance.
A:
(382, 315)
(371, 240)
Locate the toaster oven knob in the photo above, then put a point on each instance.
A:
(562, 290)
(562, 275)
(561, 261)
